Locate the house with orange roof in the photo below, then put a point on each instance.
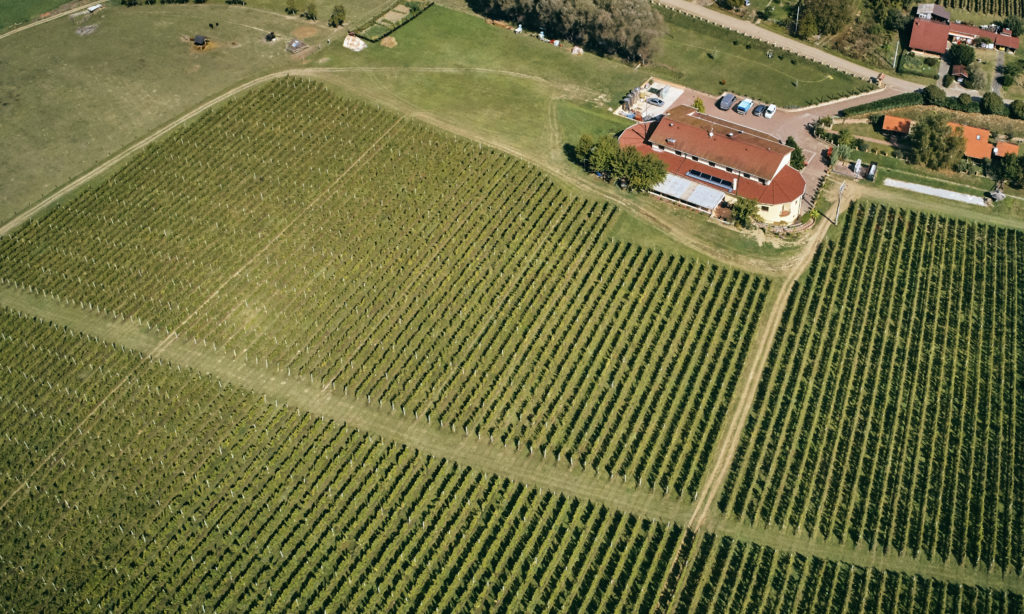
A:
(976, 143)
(711, 160)
(1004, 149)
(898, 125)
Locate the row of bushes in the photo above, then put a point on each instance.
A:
(900, 100)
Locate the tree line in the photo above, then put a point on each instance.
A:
(635, 171)
(627, 28)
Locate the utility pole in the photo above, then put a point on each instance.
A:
(839, 200)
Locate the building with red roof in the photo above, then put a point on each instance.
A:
(899, 125)
(710, 160)
(931, 36)
(1005, 149)
(976, 143)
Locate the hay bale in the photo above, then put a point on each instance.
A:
(389, 42)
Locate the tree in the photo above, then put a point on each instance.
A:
(651, 171)
(934, 95)
(290, 8)
(628, 28)
(310, 13)
(337, 16)
(823, 17)
(698, 104)
(1017, 109)
(602, 154)
(582, 150)
(934, 144)
(1011, 168)
(796, 160)
(1015, 23)
(744, 212)
(960, 54)
(992, 104)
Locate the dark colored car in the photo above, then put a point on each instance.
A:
(760, 109)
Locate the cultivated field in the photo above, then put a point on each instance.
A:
(890, 412)
(68, 101)
(173, 490)
(335, 243)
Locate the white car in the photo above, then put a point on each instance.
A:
(769, 112)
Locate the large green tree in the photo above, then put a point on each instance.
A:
(992, 104)
(337, 16)
(934, 144)
(823, 16)
(744, 212)
(796, 160)
(960, 54)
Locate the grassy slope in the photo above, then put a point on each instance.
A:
(784, 79)
(67, 102)
(14, 12)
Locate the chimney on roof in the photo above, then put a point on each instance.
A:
(735, 183)
(730, 135)
(977, 137)
(711, 133)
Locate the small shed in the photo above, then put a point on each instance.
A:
(959, 72)
(200, 41)
(898, 125)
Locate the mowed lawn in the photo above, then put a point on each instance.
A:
(68, 102)
(715, 60)
(15, 12)
(356, 11)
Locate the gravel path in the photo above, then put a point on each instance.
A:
(939, 192)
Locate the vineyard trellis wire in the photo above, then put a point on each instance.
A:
(440, 278)
(188, 493)
(890, 412)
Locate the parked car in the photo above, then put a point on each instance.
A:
(744, 106)
(759, 110)
(769, 112)
(656, 101)
(725, 102)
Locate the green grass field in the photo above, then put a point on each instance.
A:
(68, 102)
(715, 60)
(887, 417)
(17, 12)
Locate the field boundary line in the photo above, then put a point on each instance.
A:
(480, 455)
(746, 393)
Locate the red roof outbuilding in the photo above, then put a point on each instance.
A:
(930, 36)
(900, 125)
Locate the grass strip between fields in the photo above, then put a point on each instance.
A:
(478, 454)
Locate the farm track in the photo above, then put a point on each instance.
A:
(725, 447)
(478, 454)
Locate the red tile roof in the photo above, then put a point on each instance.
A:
(891, 123)
(787, 186)
(722, 142)
(976, 143)
(928, 35)
(969, 31)
(1005, 149)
